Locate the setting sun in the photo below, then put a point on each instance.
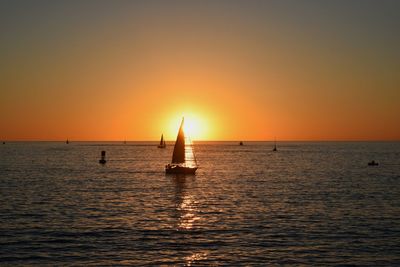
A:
(228, 132)
(133, 70)
(195, 127)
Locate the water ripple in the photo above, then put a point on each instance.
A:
(307, 204)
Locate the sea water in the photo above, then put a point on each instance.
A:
(306, 204)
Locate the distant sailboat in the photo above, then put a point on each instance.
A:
(373, 163)
(67, 142)
(162, 142)
(183, 158)
(275, 149)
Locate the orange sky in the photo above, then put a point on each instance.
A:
(244, 70)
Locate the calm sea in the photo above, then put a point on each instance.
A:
(307, 204)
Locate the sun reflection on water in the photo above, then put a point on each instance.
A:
(188, 213)
(190, 158)
(195, 257)
(186, 205)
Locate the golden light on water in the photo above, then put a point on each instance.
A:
(187, 213)
(190, 260)
(186, 204)
(187, 210)
(189, 155)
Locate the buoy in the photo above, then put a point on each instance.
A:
(103, 157)
(240, 143)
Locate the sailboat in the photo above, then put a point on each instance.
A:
(275, 149)
(162, 142)
(183, 158)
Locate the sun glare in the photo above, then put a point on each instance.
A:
(194, 126)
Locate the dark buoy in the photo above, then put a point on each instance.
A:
(4, 143)
(373, 163)
(240, 143)
(103, 157)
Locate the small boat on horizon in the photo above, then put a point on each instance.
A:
(183, 158)
(373, 163)
(67, 142)
(162, 142)
(275, 149)
(240, 143)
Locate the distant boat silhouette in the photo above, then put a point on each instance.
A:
(4, 143)
(275, 149)
(183, 158)
(373, 163)
(67, 142)
(240, 143)
(162, 142)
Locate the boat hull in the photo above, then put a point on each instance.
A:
(175, 169)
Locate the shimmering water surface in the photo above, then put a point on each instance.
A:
(308, 203)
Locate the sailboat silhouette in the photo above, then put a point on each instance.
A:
(162, 142)
(183, 158)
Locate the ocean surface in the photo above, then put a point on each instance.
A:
(306, 204)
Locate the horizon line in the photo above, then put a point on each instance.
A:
(238, 140)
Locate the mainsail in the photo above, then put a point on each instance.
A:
(162, 143)
(179, 149)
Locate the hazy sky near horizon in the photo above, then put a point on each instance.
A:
(244, 70)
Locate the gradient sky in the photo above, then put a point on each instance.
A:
(242, 70)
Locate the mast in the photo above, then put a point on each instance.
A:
(178, 155)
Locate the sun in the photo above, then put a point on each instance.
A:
(195, 126)
(192, 128)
